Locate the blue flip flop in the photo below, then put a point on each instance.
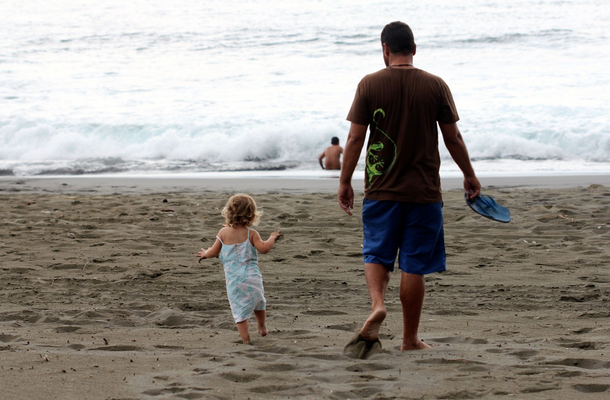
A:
(487, 207)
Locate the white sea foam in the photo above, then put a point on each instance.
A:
(149, 86)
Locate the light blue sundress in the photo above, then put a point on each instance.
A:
(244, 280)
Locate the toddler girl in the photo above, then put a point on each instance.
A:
(236, 245)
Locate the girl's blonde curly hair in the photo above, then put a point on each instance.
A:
(241, 211)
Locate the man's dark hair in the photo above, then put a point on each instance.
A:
(334, 140)
(399, 38)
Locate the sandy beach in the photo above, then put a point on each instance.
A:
(102, 296)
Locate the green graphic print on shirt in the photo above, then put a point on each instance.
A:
(375, 164)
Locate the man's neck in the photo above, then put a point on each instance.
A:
(400, 61)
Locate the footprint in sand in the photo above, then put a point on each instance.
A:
(524, 354)
(8, 338)
(117, 348)
(585, 363)
(369, 367)
(239, 378)
(344, 327)
(459, 340)
(277, 368)
(581, 345)
(592, 388)
(274, 389)
(67, 329)
(179, 392)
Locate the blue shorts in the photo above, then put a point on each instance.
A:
(415, 231)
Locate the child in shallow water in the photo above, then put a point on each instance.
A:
(236, 245)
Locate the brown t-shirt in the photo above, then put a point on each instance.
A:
(403, 107)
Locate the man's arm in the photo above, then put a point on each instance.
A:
(321, 158)
(457, 148)
(351, 154)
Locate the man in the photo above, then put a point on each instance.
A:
(332, 155)
(402, 210)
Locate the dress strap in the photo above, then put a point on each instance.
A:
(220, 240)
(249, 239)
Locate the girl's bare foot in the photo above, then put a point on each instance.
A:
(260, 316)
(242, 328)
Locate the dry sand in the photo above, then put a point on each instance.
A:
(102, 298)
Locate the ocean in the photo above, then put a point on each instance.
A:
(183, 87)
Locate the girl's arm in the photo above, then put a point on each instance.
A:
(212, 252)
(264, 246)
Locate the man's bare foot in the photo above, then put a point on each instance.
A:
(263, 331)
(417, 345)
(370, 329)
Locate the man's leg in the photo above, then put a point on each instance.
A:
(377, 279)
(412, 291)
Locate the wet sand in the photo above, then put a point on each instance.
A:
(102, 296)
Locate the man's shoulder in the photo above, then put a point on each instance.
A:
(432, 77)
(387, 73)
(377, 74)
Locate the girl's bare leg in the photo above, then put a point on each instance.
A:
(260, 316)
(244, 332)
